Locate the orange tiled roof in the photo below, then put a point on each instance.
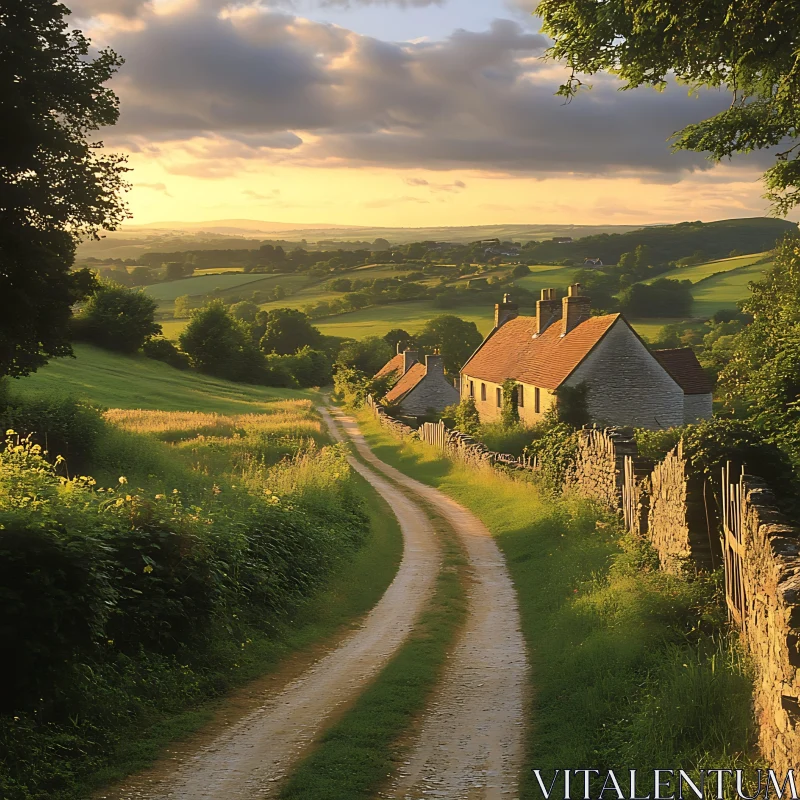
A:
(394, 364)
(546, 361)
(414, 375)
(684, 368)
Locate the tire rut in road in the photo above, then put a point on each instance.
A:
(470, 742)
(251, 758)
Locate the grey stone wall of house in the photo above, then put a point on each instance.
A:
(630, 386)
(433, 393)
(771, 633)
(697, 407)
(682, 525)
(397, 427)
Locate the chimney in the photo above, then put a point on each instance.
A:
(548, 310)
(505, 311)
(409, 359)
(399, 348)
(433, 364)
(575, 309)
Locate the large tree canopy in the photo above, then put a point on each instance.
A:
(750, 47)
(55, 184)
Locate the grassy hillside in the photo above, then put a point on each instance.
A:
(118, 381)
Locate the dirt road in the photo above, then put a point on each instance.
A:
(249, 759)
(470, 745)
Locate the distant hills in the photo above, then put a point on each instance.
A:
(715, 239)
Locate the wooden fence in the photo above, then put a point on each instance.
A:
(733, 549)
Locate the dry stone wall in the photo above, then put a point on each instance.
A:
(395, 425)
(771, 629)
(599, 469)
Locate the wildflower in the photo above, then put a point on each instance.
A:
(11, 432)
(148, 569)
(122, 479)
(161, 497)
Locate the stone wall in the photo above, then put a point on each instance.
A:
(682, 520)
(399, 428)
(462, 447)
(599, 468)
(771, 630)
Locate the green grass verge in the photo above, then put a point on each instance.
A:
(355, 756)
(630, 666)
(357, 586)
(116, 381)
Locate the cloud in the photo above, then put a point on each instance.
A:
(156, 187)
(455, 186)
(386, 202)
(259, 196)
(247, 84)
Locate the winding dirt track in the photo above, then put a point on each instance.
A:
(248, 760)
(471, 741)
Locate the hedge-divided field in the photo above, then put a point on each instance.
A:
(197, 532)
(718, 285)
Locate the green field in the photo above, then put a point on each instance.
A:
(111, 380)
(701, 272)
(199, 285)
(723, 291)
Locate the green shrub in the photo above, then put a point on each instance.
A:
(465, 416)
(162, 349)
(117, 318)
(509, 411)
(556, 447)
(62, 426)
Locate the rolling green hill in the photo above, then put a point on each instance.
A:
(112, 380)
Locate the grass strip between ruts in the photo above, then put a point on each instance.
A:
(356, 756)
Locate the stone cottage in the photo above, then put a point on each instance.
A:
(564, 346)
(421, 388)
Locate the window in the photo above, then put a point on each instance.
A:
(471, 389)
(483, 391)
(499, 396)
(520, 395)
(536, 400)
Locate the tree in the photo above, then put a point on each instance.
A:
(182, 308)
(397, 336)
(56, 185)
(244, 311)
(367, 355)
(466, 417)
(520, 271)
(748, 47)
(762, 379)
(286, 330)
(455, 338)
(117, 318)
(219, 345)
(661, 298)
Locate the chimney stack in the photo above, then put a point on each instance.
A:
(433, 364)
(505, 311)
(409, 359)
(575, 309)
(548, 310)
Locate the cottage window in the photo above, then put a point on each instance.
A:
(483, 391)
(536, 400)
(499, 396)
(472, 389)
(520, 395)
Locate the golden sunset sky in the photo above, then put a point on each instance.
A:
(407, 113)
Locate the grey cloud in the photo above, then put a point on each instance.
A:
(474, 100)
